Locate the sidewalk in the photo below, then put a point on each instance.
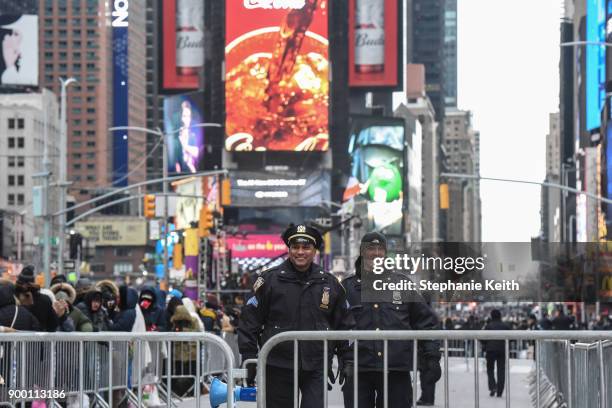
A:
(461, 388)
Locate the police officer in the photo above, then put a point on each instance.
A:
(400, 312)
(297, 295)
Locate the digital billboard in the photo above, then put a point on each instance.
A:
(184, 141)
(374, 45)
(277, 75)
(188, 205)
(182, 43)
(19, 57)
(120, 55)
(595, 62)
(377, 154)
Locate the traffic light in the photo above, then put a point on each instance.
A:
(76, 245)
(206, 222)
(149, 206)
(444, 198)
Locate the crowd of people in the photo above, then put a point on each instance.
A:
(105, 306)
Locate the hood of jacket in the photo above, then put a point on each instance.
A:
(108, 285)
(7, 294)
(151, 291)
(182, 314)
(65, 287)
(128, 298)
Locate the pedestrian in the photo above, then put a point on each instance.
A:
(399, 314)
(65, 292)
(184, 353)
(92, 307)
(59, 279)
(126, 315)
(82, 286)
(12, 315)
(561, 321)
(110, 297)
(296, 295)
(38, 304)
(545, 323)
(173, 303)
(151, 311)
(495, 351)
(603, 323)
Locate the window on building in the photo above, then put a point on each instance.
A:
(48, 44)
(77, 133)
(20, 142)
(20, 123)
(90, 166)
(76, 111)
(76, 122)
(76, 145)
(76, 66)
(91, 121)
(91, 133)
(12, 161)
(91, 144)
(76, 166)
(11, 180)
(20, 180)
(20, 161)
(123, 252)
(76, 156)
(76, 44)
(11, 199)
(11, 123)
(11, 142)
(91, 178)
(91, 110)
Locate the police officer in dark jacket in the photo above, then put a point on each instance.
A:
(297, 295)
(496, 355)
(401, 312)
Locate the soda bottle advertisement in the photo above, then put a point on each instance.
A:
(277, 75)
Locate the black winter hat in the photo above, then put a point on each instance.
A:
(27, 275)
(374, 237)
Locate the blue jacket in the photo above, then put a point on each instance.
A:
(125, 318)
(154, 315)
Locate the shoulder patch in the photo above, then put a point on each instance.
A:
(258, 283)
(253, 301)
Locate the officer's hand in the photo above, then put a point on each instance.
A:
(346, 372)
(251, 374)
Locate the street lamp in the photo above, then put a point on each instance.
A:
(63, 176)
(158, 132)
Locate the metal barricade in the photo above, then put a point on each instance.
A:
(556, 359)
(104, 367)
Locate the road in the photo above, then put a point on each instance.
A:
(461, 388)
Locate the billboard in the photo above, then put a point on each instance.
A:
(182, 44)
(277, 75)
(595, 62)
(114, 232)
(184, 141)
(286, 188)
(256, 246)
(374, 43)
(19, 57)
(188, 205)
(120, 25)
(377, 154)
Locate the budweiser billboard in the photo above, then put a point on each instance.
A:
(374, 43)
(277, 75)
(183, 43)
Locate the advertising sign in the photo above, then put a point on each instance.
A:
(595, 62)
(284, 188)
(376, 148)
(256, 246)
(374, 43)
(119, 24)
(114, 232)
(185, 142)
(19, 57)
(188, 207)
(277, 75)
(183, 43)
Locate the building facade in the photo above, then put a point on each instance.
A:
(450, 53)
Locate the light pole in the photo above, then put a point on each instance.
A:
(158, 132)
(63, 173)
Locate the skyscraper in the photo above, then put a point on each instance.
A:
(450, 53)
(428, 48)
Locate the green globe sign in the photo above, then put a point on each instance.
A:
(385, 184)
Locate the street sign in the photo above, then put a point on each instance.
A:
(38, 209)
(69, 265)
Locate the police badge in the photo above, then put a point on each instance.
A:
(325, 298)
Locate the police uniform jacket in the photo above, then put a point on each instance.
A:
(398, 313)
(287, 300)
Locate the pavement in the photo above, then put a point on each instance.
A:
(461, 388)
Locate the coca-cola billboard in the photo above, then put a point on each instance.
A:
(183, 44)
(277, 75)
(374, 45)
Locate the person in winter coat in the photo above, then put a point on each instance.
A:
(95, 312)
(152, 313)
(126, 316)
(173, 303)
(12, 315)
(184, 354)
(38, 304)
(65, 292)
(110, 297)
(496, 355)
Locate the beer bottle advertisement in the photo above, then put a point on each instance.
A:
(373, 43)
(277, 75)
(183, 43)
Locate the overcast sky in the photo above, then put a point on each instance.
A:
(508, 66)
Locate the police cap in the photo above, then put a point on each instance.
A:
(302, 234)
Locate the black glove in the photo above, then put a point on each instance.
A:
(346, 372)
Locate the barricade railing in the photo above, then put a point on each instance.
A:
(543, 365)
(110, 366)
